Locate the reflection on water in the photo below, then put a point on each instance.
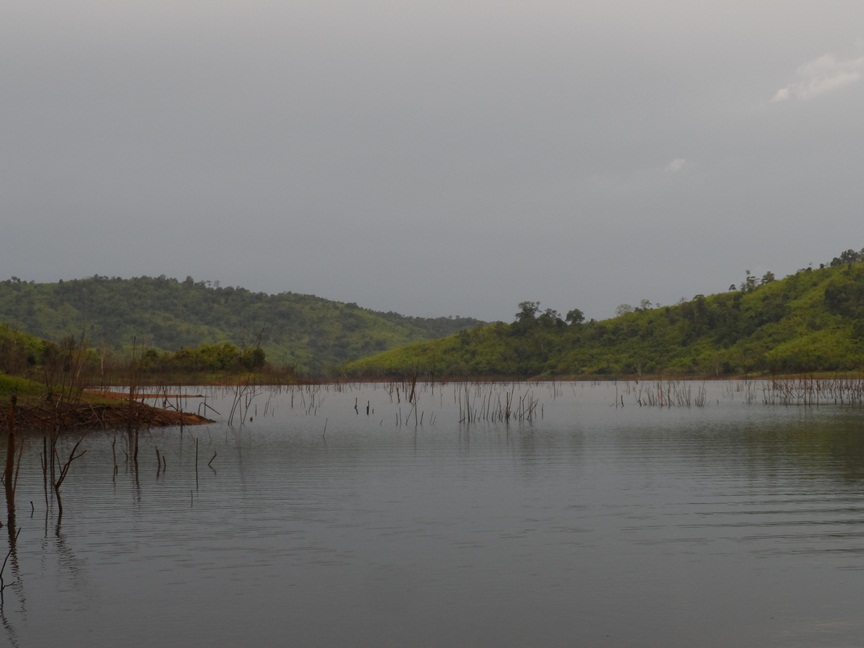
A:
(334, 517)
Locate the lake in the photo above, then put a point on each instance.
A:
(607, 514)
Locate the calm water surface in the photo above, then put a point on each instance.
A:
(596, 523)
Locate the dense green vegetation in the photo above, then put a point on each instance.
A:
(37, 369)
(21, 357)
(223, 357)
(810, 321)
(163, 315)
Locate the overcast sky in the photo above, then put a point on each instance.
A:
(444, 157)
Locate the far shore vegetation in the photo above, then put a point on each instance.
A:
(303, 334)
(810, 322)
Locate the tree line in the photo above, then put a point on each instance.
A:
(304, 333)
(812, 320)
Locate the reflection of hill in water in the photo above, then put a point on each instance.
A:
(756, 426)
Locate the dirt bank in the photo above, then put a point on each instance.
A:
(96, 416)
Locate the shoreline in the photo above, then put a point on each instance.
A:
(95, 416)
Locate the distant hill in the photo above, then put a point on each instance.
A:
(310, 333)
(810, 321)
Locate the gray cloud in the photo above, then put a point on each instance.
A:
(429, 158)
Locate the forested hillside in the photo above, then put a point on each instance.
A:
(810, 321)
(310, 333)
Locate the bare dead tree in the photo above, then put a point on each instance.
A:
(64, 471)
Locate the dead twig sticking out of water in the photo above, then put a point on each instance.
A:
(196, 463)
(206, 407)
(412, 396)
(485, 405)
(114, 455)
(671, 393)
(3, 585)
(9, 475)
(809, 391)
(64, 471)
(44, 459)
(244, 394)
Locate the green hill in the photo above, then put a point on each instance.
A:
(810, 321)
(309, 333)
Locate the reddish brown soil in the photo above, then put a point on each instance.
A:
(97, 415)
